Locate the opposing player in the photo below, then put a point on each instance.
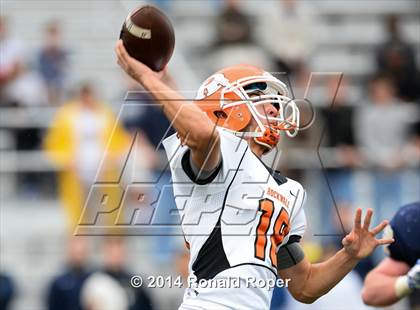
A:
(398, 275)
(241, 219)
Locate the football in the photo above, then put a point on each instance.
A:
(148, 36)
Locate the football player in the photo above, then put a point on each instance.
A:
(241, 219)
(398, 275)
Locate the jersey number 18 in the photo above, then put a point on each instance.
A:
(281, 229)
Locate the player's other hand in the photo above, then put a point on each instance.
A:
(134, 68)
(414, 276)
(361, 241)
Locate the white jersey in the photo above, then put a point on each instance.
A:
(234, 222)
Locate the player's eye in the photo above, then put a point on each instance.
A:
(255, 93)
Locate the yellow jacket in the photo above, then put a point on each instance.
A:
(60, 145)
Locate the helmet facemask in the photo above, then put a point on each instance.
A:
(268, 90)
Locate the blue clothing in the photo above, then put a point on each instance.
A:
(7, 291)
(52, 64)
(149, 118)
(64, 292)
(406, 228)
(387, 193)
(278, 301)
(341, 188)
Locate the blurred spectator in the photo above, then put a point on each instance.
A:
(397, 58)
(7, 291)
(64, 291)
(19, 85)
(150, 123)
(234, 40)
(11, 61)
(82, 131)
(52, 62)
(286, 32)
(382, 127)
(233, 26)
(102, 292)
(28, 90)
(111, 288)
(338, 119)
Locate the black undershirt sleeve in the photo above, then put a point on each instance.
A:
(199, 177)
(290, 254)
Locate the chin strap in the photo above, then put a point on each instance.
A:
(271, 135)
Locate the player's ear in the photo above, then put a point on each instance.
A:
(220, 114)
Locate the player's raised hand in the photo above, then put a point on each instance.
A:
(361, 241)
(134, 68)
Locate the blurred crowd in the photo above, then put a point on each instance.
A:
(377, 133)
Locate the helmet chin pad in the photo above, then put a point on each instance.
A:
(269, 139)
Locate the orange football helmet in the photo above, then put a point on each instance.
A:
(225, 97)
